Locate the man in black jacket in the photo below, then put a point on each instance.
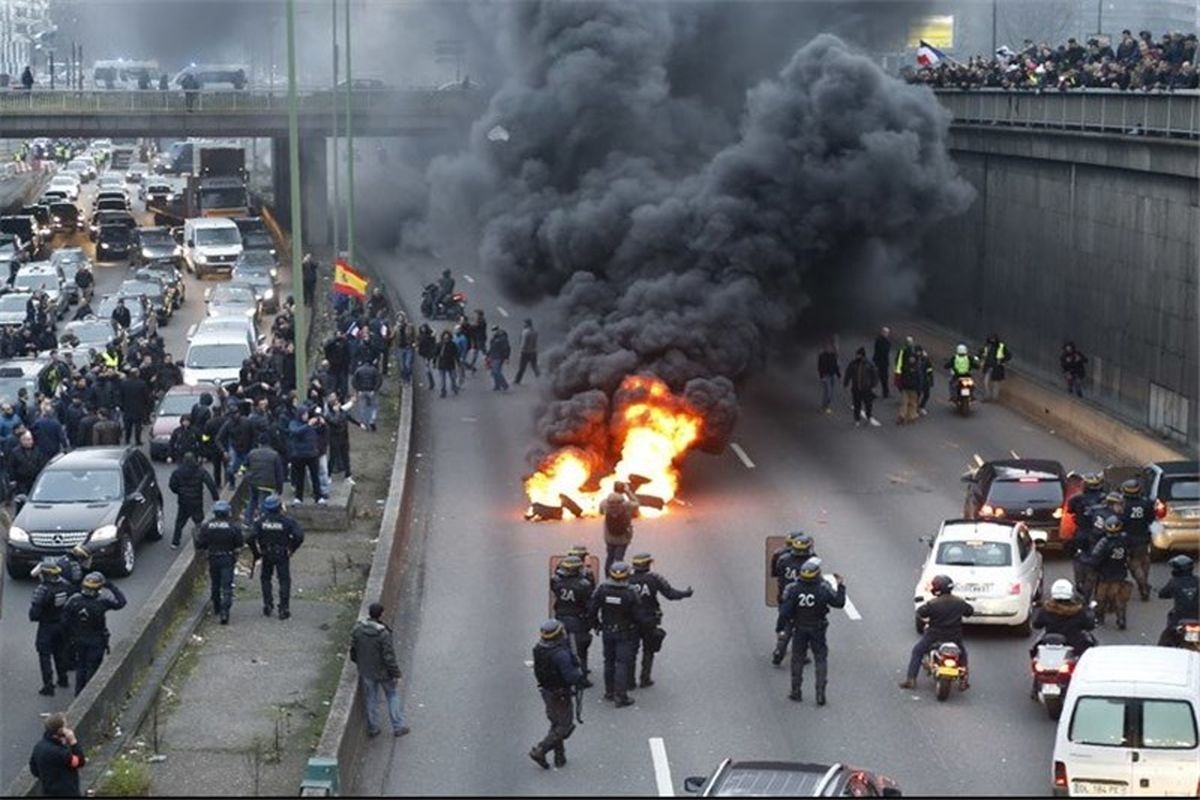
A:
(616, 610)
(188, 482)
(222, 538)
(945, 614)
(883, 359)
(57, 759)
(135, 405)
(804, 609)
(649, 585)
(25, 464)
(557, 671)
(367, 382)
(861, 377)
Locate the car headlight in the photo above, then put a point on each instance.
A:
(268, 294)
(16, 534)
(103, 534)
(145, 252)
(58, 219)
(272, 252)
(274, 273)
(104, 245)
(201, 259)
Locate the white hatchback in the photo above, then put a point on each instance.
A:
(995, 566)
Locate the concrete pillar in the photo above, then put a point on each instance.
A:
(279, 181)
(314, 188)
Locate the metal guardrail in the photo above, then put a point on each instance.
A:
(150, 101)
(1174, 115)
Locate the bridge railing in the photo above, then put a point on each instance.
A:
(150, 101)
(1175, 115)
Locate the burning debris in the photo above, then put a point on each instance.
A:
(649, 431)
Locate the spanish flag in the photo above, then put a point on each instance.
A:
(347, 280)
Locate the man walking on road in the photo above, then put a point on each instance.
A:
(372, 651)
(498, 353)
(274, 538)
(861, 377)
(618, 509)
(529, 352)
(86, 621)
(882, 357)
(188, 482)
(558, 675)
(367, 382)
(222, 538)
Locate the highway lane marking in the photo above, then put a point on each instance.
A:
(468, 278)
(662, 768)
(503, 311)
(741, 454)
(850, 609)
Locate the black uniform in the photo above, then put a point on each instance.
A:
(805, 610)
(1139, 513)
(572, 593)
(558, 673)
(1089, 512)
(786, 569)
(649, 585)
(1110, 560)
(1185, 591)
(87, 630)
(273, 539)
(222, 538)
(1068, 619)
(618, 613)
(945, 614)
(46, 609)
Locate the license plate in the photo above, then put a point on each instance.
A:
(1051, 690)
(947, 672)
(1094, 787)
(1191, 635)
(1192, 513)
(965, 392)
(976, 588)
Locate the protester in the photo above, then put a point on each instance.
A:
(57, 759)
(372, 651)
(1074, 368)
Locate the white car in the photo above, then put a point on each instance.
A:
(67, 183)
(995, 566)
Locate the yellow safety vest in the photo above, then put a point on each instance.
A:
(110, 360)
(961, 365)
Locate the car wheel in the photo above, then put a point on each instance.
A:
(126, 557)
(16, 571)
(160, 526)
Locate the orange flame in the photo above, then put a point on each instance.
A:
(654, 427)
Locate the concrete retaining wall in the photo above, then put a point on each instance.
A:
(1086, 238)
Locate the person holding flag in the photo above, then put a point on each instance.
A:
(928, 55)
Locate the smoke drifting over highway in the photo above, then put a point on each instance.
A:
(678, 246)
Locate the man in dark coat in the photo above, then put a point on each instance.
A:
(135, 405)
(57, 759)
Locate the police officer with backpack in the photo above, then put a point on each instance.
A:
(617, 614)
(805, 609)
(786, 570)
(558, 675)
(273, 540)
(572, 592)
(222, 538)
(649, 585)
(46, 609)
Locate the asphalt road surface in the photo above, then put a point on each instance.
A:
(20, 705)
(477, 593)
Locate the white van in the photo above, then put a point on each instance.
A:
(1128, 725)
(211, 244)
(215, 357)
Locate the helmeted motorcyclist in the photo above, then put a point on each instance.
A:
(961, 365)
(1184, 589)
(1064, 614)
(786, 569)
(445, 287)
(945, 614)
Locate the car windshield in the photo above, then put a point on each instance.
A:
(32, 282)
(114, 233)
(223, 198)
(974, 554)
(110, 204)
(156, 239)
(252, 273)
(149, 288)
(232, 295)
(90, 332)
(1008, 493)
(1180, 489)
(132, 303)
(174, 405)
(77, 486)
(213, 356)
(257, 240)
(256, 258)
(218, 236)
(63, 257)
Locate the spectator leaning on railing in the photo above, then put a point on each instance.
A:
(1138, 64)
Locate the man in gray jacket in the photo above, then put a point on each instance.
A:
(371, 649)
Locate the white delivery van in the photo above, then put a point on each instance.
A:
(1129, 724)
(211, 244)
(215, 357)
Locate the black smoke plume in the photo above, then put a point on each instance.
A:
(674, 252)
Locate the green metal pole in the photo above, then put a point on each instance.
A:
(337, 201)
(349, 148)
(301, 319)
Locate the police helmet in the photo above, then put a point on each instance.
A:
(801, 543)
(579, 550)
(570, 565)
(1131, 487)
(1113, 524)
(1114, 499)
(811, 569)
(551, 629)
(81, 553)
(941, 584)
(961, 350)
(272, 503)
(1182, 565)
(619, 571)
(1062, 590)
(93, 581)
(642, 562)
(1093, 480)
(49, 568)
(221, 509)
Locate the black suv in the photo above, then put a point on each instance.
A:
(1029, 490)
(106, 498)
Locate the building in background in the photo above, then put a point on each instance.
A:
(26, 34)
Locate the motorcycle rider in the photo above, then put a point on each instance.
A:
(961, 365)
(805, 610)
(572, 592)
(222, 538)
(786, 569)
(616, 612)
(649, 585)
(1139, 513)
(46, 609)
(1184, 589)
(85, 621)
(1110, 559)
(558, 672)
(945, 613)
(1065, 615)
(445, 287)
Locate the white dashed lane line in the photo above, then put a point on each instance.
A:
(468, 278)
(850, 609)
(662, 768)
(503, 311)
(741, 454)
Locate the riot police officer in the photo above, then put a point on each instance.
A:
(222, 538)
(1184, 589)
(580, 551)
(75, 563)
(558, 675)
(85, 620)
(617, 613)
(786, 569)
(1110, 560)
(572, 592)
(1088, 508)
(805, 609)
(46, 609)
(649, 585)
(273, 539)
(1139, 513)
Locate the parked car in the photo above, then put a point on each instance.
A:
(106, 498)
(790, 779)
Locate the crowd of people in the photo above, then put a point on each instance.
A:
(1137, 63)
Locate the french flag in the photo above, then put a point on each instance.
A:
(928, 55)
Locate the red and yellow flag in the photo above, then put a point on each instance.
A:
(347, 280)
